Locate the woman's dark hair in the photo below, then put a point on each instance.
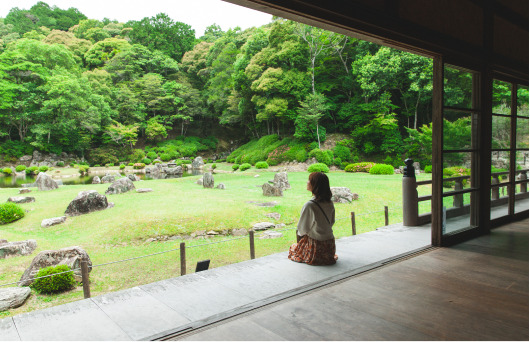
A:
(320, 186)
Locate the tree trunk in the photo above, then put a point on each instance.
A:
(318, 137)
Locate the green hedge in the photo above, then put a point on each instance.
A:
(244, 167)
(235, 167)
(359, 167)
(56, 283)
(318, 167)
(7, 170)
(428, 169)
(20, 168)
(262, 165)
(322, 156)
(382, 169)
(10, 212)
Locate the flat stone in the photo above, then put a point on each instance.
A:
(212, 232)
(221, 186)
(271, 235)
(24, 191)
(275, 216)
(52, 221)
(21, 199)
(263, 226)
(8, 249)
(144, 190)
(239, 232)
(8, 330)
(13, 297)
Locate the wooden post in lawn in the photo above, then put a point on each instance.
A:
(386, 215)
(353, 227)
(85, 278)
(182, 258)
(251, 240)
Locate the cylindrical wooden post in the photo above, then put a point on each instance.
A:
(495, 190)
(386, 215)
(251, 239)
(182, 258)
(85, 278)
(410, 194)
(458, 199)
(353, 227)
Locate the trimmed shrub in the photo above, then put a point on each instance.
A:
(220, 160)
(342, 152)
(43, 168)
(83, 169)
(165, 157)
(136, 156)
(158, 162)
(359, 167)
(138, 165)
(322, 156)
(109, 164)
(318, 167)
(428, 169)
(130, 164)
(60, 164)
(20, 168)
(10, 212)
(214, 166)
(262, 165)
(32, 170)
(186, 161)
(146, 161)
(97, 165)
(7, 170)
(337, 161)
(382, 169)
(245, 167)
(235, 167)
(152, 155)
(122, 166)
(56, 283)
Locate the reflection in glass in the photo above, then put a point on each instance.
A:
(457, 131)
(522, 133)
(500, 167)
(458, 88)
(522, 100)
(499, 205)
(521, 160)
(502, 97)
(457, 218)
(500, 133)
(457, 171)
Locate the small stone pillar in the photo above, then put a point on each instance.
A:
(410, 195)
(524, 186)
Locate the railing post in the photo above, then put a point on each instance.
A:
(410, 195)
(386, 215)
(182, 258)
(353, 227)
(458, 199)
(495, 190)
(85, 278)
(251, 240)
(522, 176)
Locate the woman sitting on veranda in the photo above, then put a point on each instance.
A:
(316, 245)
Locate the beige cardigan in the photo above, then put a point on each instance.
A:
(313, 222)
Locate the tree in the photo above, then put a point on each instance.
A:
(162, 33)
(122, 134)
(311, 110)
(102, 52)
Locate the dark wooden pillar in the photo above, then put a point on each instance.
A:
(437, 146)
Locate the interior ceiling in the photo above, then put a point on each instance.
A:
(469, 33)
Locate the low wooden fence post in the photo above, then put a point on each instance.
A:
(353, 227)
(251, 240)
(85, 278)
(182, 258)
(386, 215)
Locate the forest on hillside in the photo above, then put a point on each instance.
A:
(73, 84)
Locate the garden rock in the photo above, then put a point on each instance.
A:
(133, 178)
(21, 199)
(13, 297)
(212, 232)
(44, 182)
(281, 181)
(96, 180)
(220, 186)
(174, 170)
(120, 186)
(70, 256)
(8, 249)
(52, 221)
(239, 232)
(271, 190)
(107, 179)
(144, 190)
(342, 195)
(271, 235)
(197, 163)
(24, 191)
(275, 216)
(207, 180)
(199, 181)
(263, 226)
(87, 202)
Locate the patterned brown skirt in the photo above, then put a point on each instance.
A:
(313, 252)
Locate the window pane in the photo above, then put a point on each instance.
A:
(456, 165)
(500, 132)
(521, 190)
(500, 166)
(522, 100)
(502, 97)
(522, 133)
(458, 88)
(458, 218)
(457, 130)
(521, 160)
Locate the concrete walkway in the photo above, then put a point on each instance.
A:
(189, 302)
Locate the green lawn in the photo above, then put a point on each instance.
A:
(180, 206)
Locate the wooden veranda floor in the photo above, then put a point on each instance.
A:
(477, 290)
